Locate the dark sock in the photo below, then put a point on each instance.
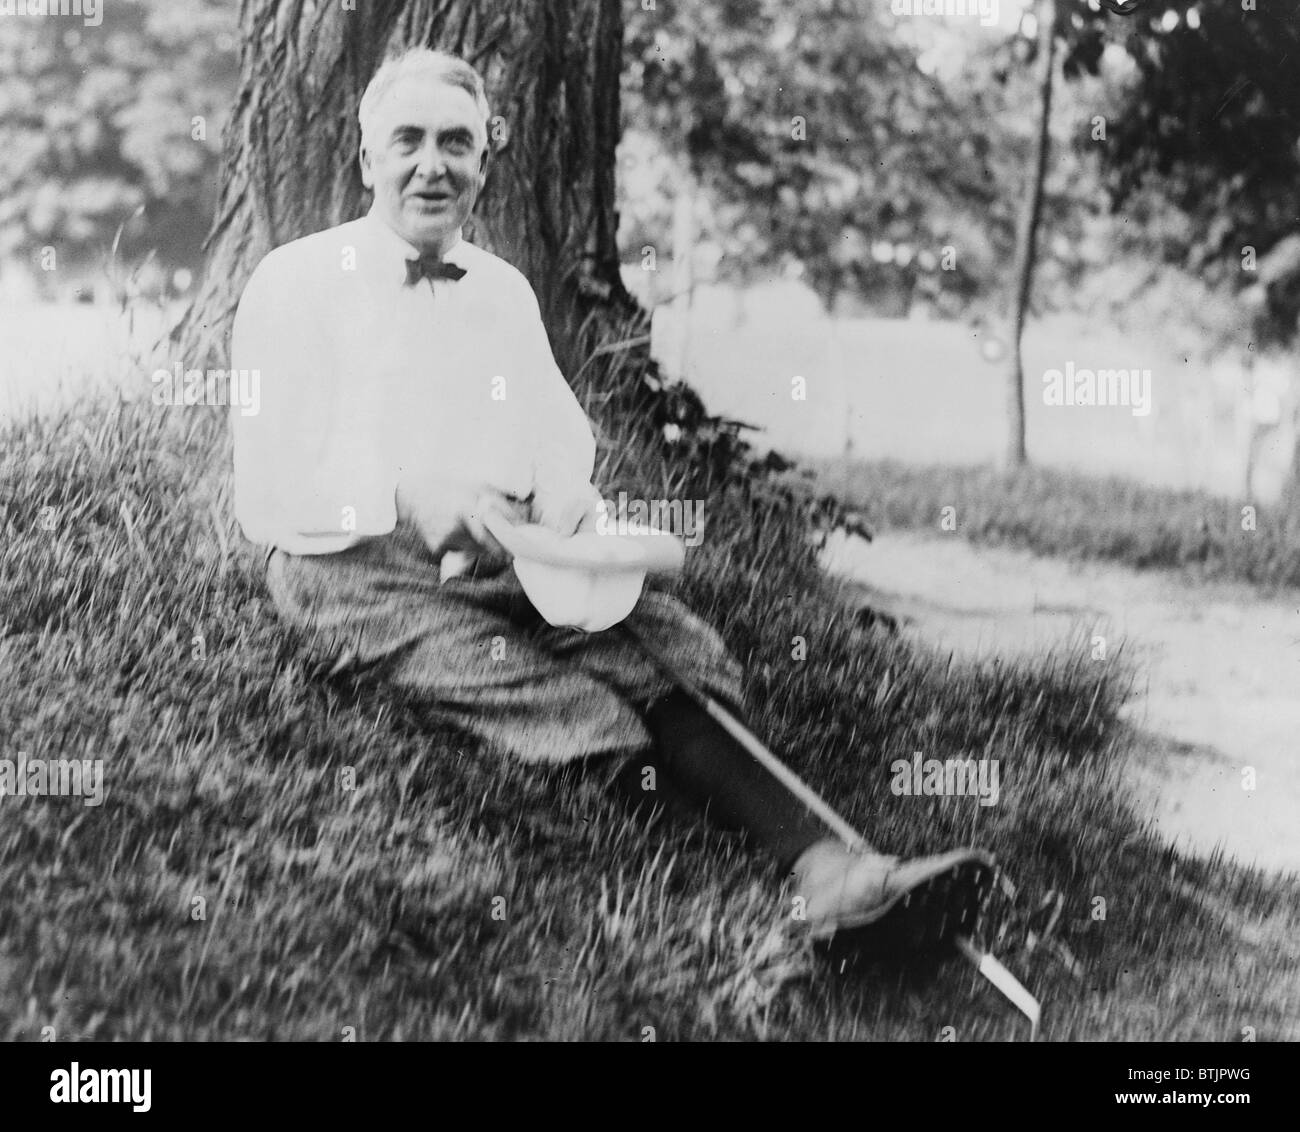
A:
(696, 762)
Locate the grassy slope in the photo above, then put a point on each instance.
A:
(1053, 512)
(372, 908)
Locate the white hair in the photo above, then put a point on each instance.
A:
(425, 62)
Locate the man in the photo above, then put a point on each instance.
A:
(408, 390)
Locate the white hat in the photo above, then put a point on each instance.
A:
(588, 581)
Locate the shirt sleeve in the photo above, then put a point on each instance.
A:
(298, 467)
(565, 453)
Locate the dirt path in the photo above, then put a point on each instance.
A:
(1221, 669)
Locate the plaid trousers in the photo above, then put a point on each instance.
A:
(476, 652)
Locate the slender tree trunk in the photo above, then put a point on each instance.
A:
(684, 241)
(290, 166)
(1027, 237)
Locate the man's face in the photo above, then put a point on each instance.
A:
(425, 157)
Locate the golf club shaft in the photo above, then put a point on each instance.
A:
(984, 963)
(746, 738)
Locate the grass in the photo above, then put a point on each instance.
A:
(137, 631)
(1058, 513)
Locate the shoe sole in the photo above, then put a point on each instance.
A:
(945, 903)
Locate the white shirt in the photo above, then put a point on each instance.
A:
(368, 382)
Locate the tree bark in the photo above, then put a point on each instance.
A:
(1027, 237)
(684, 241)
(290, 163)
(552, 69)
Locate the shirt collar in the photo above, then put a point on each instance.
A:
(393, 247)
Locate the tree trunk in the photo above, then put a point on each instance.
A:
(290, 165)
(1027, 237)
(552, 69)
(684, 241)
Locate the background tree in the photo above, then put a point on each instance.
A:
(1027, 233)
(1210, 132)
(817, 141)
(1205, 158)
(112, 125)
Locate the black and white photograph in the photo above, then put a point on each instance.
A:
(650, 521)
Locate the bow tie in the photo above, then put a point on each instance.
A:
(430, 267)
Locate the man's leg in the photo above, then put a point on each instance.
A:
(696, 763)
(701, 761)
(477, 653)
(915, 904)
(461, 648)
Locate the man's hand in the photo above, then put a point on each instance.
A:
(449, 516)
(569, 511)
